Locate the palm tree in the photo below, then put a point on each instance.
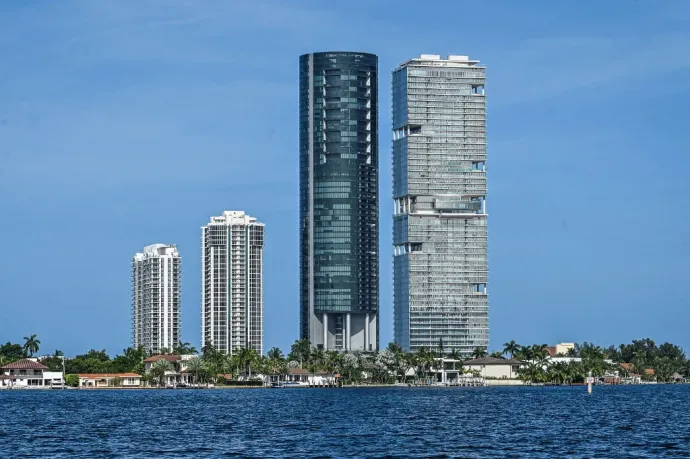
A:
(276, 360)
(455, 355)
(421, 359)
(247, 357)
(479, 352)
(440, 348)
(184, 349)
(275, 354)
(195, 366)
(300, 351)
(31, 345)
(511, 347)
(317, 359)
(160, 368)
(399, 365)
(226, 364)
(558, 372)
(334, 361)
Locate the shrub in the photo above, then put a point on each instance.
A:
(72, 380)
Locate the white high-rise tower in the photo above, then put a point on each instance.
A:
(156, 298)
(232, 247)
(439, 198)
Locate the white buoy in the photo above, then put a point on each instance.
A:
(590, 380)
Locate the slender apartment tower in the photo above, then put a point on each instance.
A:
(232, 301)
(339, 235)
(156, 298)
(439, 195)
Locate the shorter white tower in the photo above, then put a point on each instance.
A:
(156, 298)
(232, 301)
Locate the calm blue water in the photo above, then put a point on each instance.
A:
(642, 421)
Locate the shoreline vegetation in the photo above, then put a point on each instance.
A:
(390, 367)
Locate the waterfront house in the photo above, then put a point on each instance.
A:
(301, 377)
(109, 380)
(29, 373)
(322, 379)
(678, 378)
(493, 367)
(447, 371)
(179, 373)
(298, 376)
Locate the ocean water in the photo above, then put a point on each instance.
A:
(530, 422)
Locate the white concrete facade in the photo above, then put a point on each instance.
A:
(491, 367)
(96, 380)
(30, 374)
(156, 273)
(346, 331)
(232, 283)
(563, 348)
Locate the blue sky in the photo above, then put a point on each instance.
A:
(129, 123)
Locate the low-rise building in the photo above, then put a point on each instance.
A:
(178, 374)
(109, 380)
(493, 367)
(322, 379)
(447, 371)
(561, 349)
(29, 373)
(301, 377)
(295, 377)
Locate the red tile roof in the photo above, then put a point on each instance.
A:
(25, 364)
(168, 357)
(107, 375)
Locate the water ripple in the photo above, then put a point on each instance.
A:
(519, 422)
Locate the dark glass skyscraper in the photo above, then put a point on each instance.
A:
(339, 235)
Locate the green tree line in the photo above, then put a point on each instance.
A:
(386, 366)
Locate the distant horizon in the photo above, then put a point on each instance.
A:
(124, 124)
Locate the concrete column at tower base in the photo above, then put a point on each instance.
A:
(358, 331)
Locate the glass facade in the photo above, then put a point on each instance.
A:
(338, 109)
(440, 264)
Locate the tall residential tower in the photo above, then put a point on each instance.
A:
(339, 236)
(156, 298)
(439, 195)
(232, 301)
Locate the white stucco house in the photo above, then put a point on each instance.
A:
(493, 367)
(299, 377)
(178, 374)
(109, 380)
(30, 374)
